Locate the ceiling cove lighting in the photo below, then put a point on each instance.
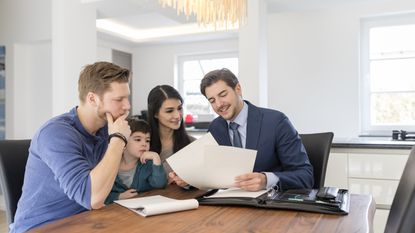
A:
(146, 35)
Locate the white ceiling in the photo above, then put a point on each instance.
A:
(299, 5)
(147, 22)
(146, 12)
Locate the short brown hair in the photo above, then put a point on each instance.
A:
(213, 76)
(97, 78)
(138, 125)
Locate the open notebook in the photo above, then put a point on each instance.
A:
(153, 205)
(295, 199)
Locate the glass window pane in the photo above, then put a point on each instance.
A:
(191, 87)
(213, 64)
(197, 105)
(388, 74)
(193, 71)
(392, 75)
(392, 41)
(393, 109)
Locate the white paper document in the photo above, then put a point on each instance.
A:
(237, 192)
(153, 205)
(206, 165)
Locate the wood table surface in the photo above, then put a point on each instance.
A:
(114, 218)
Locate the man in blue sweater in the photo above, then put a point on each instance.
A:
(74, 158)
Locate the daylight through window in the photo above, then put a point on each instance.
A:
(191, 70)
(389, 77)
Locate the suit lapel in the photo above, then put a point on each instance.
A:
(253, 129)
(223, 131)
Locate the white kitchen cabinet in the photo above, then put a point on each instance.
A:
(368, 171)
(377, 165)
(337, 171)
(383, 191)
(379, 223)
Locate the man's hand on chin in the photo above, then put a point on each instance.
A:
(119, 125)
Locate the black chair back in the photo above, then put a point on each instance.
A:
(13, 158)
(318, 147)
(402, 213)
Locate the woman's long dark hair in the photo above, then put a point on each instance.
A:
(155, 99)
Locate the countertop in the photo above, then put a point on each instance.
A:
(358, 142)
(372, 142)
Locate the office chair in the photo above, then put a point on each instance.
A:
(402, 213)
(318, 147)
(13, 158)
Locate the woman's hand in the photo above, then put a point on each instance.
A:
(176, 179)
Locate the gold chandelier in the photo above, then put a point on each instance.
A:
(219, 13)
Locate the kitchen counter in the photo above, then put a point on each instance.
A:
(359, 142)
(371, 166)
(196, 133)
(372, 143)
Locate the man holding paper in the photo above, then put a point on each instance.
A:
(281, 158)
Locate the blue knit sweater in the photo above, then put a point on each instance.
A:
(147, 176)
(57, 182)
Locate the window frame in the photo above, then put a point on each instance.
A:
(364, 107)
(181, 59)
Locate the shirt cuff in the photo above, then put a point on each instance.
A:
(272, 179)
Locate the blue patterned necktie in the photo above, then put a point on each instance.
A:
(236, 136)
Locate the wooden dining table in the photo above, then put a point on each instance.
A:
(115, 218)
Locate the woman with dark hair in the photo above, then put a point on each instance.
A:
(168, 134)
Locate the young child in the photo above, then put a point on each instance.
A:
(140, 169)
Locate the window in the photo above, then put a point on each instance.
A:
(388, 74)
(191, 70)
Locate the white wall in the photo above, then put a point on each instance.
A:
(314, 65)
(22, 20)
(35, 81)
(154, 65)
(47, 44)
(74, 44)
(25, 30)
(105, 47)
(104, 54)
(253, 54)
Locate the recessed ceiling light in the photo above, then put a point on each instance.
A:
(140, 35)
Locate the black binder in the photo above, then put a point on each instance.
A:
(297, 199)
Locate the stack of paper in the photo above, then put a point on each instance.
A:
(206, 165)
(153, 205)
(237, 192)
